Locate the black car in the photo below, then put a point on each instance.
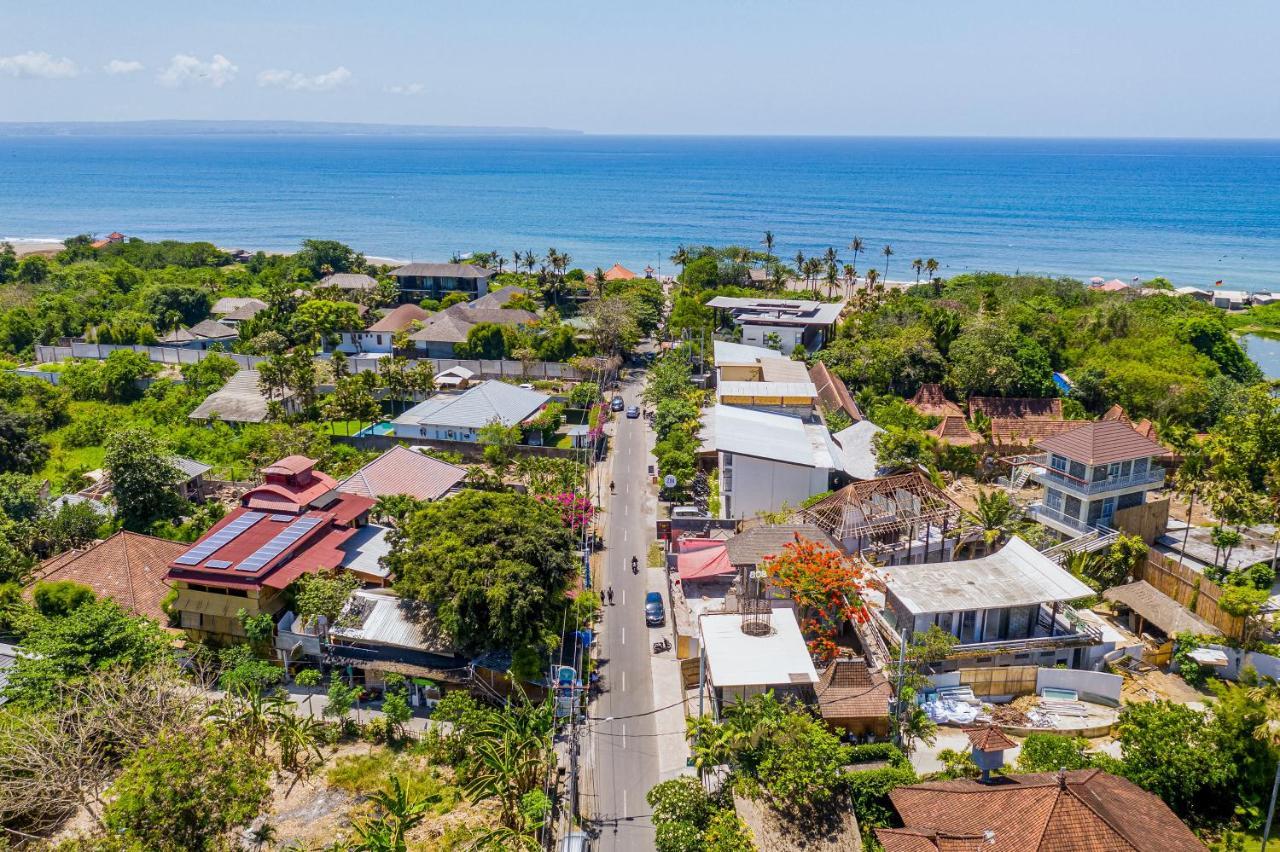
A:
(633, 412)
(654, 614)
(617, 404)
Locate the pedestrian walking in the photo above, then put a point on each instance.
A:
(609, 595)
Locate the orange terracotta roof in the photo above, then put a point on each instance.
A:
(1023, 432)
(954, 430)
(399, 318)
(618, 272)
(1085, 810)
(917, 840)
(1013, 406)
(832, 391)
(930, 401)
(989, 738)
(129, 568)
(1116, 412)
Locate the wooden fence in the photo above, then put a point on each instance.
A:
(1191, 589)
(1000, 680)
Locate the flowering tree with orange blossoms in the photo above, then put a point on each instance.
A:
(826, 586)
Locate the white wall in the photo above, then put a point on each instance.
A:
(1090, 685)
(1265, 664)
(437, 433)
(754, 335)
(352, 342)
(762, 485)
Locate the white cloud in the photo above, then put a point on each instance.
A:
(407, 89)
(33, 64)
(183, 69)
(297, 81)
(123, 66)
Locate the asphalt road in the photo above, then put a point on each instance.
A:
(625, 750)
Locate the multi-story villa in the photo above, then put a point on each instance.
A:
(1090, 472)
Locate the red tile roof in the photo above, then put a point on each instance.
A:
(290, 466)
(1024, 432)
(916, 840)
(402, 471)
(1102, 442)
(832, 391)
(1116, 412)
(1016, 406)
(849, 689)
(989, 738)
(129, 568)
(400, 318)
(1084, 810)
(930, 401)
(954, 430)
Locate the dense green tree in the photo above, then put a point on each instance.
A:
(323, 594)
(94, 636)
(1050, 752)
(1168, 749)
(185, 792)
(59, 598)
(322, 319)
(494, 566)
(323, 257)
(988, 359)
(170, 305)
(485, 340)
(22, 446)
(144, 479)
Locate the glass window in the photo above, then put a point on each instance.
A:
(1126, 468)
(1053, 499)
(1077, 470)
(1140, 465)
(1058, 463)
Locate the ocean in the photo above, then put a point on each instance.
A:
(1193, 211)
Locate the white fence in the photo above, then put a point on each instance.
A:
(159, 354)
(535, 370)
(1265, 664)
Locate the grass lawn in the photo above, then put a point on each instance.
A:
(344, 427)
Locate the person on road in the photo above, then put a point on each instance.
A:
(609, 595)
(611, 489)
(635, 564)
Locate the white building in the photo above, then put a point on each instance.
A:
(768, 460)
(781, 324)
(380, 337)
(742, 662)
(461, 416)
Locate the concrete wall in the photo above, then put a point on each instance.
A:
(1098, 687)
(470, 451)
(754, 335)
(1265, 664)
(761, 485)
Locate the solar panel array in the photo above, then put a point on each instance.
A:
(221, 538)
(283, 540)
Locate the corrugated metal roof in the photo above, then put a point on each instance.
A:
(240, 400)
(857, 451)
(765, 435)
(385, 618)
(767, 389)
(365, 549)
(1015, 575)
(478, 406)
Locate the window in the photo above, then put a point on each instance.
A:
(190, 620)
(1140, 466)
(1071, 507)
(379, 339)
(1077, 470)
(1058, 463)
(1053, 499)
(968, 622)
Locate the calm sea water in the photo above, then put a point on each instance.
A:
(1195, 212)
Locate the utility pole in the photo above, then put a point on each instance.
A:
(897, 695)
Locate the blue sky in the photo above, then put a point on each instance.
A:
(910, 67)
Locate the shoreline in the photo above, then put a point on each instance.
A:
(49, 246)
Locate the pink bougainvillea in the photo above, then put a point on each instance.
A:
(576, 511)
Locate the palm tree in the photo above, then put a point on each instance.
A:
(917, 265)
(994, 514)
(399, 812)
(887, 251)
(849, 275)
(768, 245)
(680, 257)
(511, 754)
(855, 245)
(831, 256)
(799, 264)
(1189, 482)
(832, 275)
(872, 277)
(1267, 695)
(931, 266)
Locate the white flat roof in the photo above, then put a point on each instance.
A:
(766, 435)
(741, 353)
(1015, 575)
(736, 659)
(779, 311)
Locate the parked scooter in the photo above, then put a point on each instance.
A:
(661, 645)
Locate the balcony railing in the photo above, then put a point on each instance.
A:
(1153, 476)
(1041, 512)
(1068, 629)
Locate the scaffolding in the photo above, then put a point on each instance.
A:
(888, 514)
